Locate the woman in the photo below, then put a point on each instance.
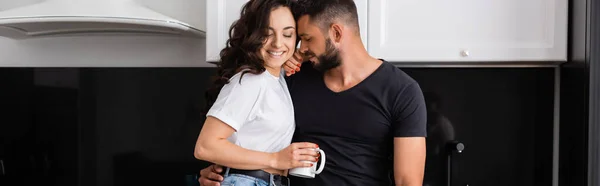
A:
(250, 123)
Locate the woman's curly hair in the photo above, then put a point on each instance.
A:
(246, 37)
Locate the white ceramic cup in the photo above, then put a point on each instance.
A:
(309, 172)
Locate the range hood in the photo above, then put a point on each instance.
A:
(60, 17)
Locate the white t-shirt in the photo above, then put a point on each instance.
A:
(259, 109)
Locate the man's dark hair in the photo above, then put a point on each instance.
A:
(325, 12)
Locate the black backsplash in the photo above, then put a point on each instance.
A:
(504, 117)
(139, 126)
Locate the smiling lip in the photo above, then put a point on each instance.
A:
(276, 54)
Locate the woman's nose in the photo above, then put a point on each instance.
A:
(277, 43)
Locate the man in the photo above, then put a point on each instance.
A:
(367, 115)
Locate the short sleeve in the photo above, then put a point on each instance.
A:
(410, 113)
(289, 80)
(237, 100)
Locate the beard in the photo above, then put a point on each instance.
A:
(329, 59)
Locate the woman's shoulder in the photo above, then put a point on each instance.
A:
(246, 81)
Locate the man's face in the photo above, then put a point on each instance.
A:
(317, 46)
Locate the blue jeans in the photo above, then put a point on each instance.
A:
(243, 180)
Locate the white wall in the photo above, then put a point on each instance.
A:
(103, 51)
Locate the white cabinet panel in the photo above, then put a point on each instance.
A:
(468, 30)
(362, 8)
(220, 14)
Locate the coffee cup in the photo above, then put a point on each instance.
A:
(309, 172)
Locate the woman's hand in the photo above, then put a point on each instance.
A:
(295, 155)
(292, 65)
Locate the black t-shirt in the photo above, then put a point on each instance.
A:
(356, 127)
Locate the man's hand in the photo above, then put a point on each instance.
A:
(292, 65)
(210, 176)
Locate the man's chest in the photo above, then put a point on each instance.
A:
(356, 115)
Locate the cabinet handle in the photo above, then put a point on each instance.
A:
(464, 53)
(2, 167)
(451, 147)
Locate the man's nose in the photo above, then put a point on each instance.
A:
(303, 48)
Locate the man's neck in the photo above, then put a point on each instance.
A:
(356, 66)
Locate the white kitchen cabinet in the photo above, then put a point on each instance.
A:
(220, 14)
(362, 9)
(467, 30)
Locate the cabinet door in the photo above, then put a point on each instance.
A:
(362, 8)
(220, 14)
(468, 30)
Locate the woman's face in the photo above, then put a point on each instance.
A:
(279, 44)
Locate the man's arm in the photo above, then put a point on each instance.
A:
(211, 176)
(409, 161)
(410, 130)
